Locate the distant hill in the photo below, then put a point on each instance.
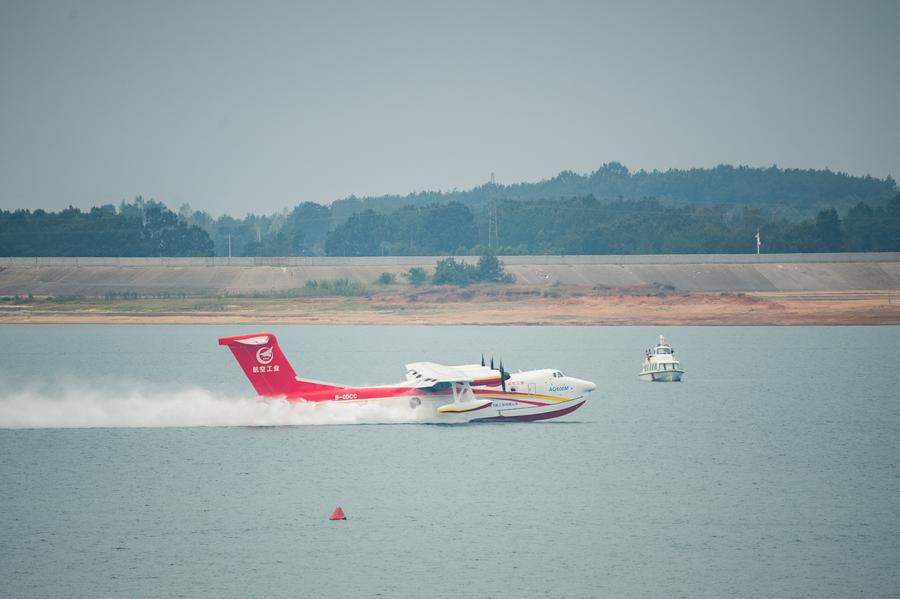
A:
(609, 211)
(793, 194)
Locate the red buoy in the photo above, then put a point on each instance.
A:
(338, 514)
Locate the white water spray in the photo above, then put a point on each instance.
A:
(77, 405)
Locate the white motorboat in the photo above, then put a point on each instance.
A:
(660, 364)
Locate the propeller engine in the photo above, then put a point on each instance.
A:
(504, 375)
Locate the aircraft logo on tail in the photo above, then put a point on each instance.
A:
(264, 355)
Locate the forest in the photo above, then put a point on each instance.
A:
(587, 226)
(790, 193)
(136, 229)
(610, 211)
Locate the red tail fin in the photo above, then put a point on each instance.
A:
(269, 371)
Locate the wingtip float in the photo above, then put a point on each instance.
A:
(466, 393)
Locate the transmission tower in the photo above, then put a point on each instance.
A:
(493, 226)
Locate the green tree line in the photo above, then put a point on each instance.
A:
(611, 210)
(136, 229)
(790, 193)
(588, 226)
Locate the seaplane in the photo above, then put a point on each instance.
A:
(466, 393)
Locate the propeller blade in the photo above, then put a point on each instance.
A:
(503, 376)
(492, 362)
(482, 359)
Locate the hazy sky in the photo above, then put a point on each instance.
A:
(254, 106)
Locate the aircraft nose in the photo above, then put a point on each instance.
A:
(588, 386)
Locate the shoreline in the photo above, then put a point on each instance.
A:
(475, 307)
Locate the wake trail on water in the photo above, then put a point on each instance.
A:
(111, 405)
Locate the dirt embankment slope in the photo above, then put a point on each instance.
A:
(549, 290)
(705, 274)
(476, 307)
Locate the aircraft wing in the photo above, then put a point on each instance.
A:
(436, 376)
(427, 374)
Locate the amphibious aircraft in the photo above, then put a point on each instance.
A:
(467, 393)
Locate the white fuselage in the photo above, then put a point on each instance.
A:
(537, 395)
(531, 395)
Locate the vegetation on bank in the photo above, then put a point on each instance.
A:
(610, 211)
(488, 270)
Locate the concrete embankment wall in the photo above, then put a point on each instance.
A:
(684, 272)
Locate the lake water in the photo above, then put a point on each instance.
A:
(134, 462)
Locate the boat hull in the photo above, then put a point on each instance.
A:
(484, 407)
(663, 376)
(531, 413)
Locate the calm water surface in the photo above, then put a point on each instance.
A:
(771, 471)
